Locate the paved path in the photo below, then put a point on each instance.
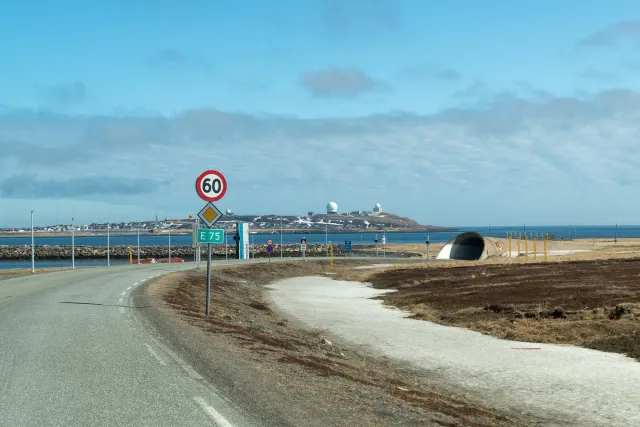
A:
(565, 384)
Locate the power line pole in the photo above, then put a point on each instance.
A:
(169, 247)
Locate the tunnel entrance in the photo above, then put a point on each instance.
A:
(468, 246)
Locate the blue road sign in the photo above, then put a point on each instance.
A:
(347, 245)
(269, 248)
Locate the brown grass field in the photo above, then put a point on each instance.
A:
(242, 315)
(594, 304)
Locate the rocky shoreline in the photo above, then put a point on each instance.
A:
(53, 252)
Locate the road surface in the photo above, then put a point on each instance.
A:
(73, 354)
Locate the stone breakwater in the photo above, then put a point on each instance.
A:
(122, 252)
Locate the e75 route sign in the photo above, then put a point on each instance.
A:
(211, 186)
(209, 235)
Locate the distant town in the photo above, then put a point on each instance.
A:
(329, 221)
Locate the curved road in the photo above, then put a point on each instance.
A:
(73, 354)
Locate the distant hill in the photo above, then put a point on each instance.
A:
(360, 222)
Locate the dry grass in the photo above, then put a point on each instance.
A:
(241, 313)
(595, 304)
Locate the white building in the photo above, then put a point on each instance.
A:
(332, 208)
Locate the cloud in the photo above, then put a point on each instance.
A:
(593, 74)
(612, 35)
(430, 72)
(30, 187)
(339, 82)
(170, 57)
(65, 94)
(174, 59)
(370, 17)
(515, 158)
(474, 90)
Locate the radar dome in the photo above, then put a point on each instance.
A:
(332, 208)
(377, 208)
(228, 212)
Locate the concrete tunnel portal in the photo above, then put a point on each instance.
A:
(469, 246)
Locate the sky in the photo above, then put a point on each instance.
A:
(455, 112)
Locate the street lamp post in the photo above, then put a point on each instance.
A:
(169, 247)
(326, 238)
(33, 252)
(281, 248)
(108, 246)
(138, 245)
(73, 243)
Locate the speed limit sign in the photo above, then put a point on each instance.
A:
(211, 186)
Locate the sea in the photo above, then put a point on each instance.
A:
(558, 232)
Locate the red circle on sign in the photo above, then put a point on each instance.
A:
(201, 192)
(269, 242)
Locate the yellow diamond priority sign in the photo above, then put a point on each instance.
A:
(209, 215)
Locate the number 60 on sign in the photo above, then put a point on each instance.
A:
(211, 185)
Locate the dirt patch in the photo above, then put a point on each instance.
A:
(354, 386)
(594, 304)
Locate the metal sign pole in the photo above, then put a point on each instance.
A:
(208, 304)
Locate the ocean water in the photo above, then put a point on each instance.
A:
(560, 232)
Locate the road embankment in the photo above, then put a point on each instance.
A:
(295, 376)
(51, 252)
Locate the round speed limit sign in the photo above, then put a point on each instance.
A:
(211, 186)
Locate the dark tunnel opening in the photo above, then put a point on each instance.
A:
(467, 246)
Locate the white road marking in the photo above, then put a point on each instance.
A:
(154, 354)
(210, 410)
(122, 310)
(150, 277)
(135, 284)
(120, 299)
(129, 287)
(124, 293)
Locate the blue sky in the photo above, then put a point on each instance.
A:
(524, 111)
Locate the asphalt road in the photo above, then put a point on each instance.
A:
(73, 354)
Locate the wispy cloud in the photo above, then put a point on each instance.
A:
(371, 16)
(340, 82)
(174, 59)
(430, 72)
(65, 94)
(612, 35)
(598, 75)
(28, 186)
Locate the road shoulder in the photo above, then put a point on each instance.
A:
(283, 375)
